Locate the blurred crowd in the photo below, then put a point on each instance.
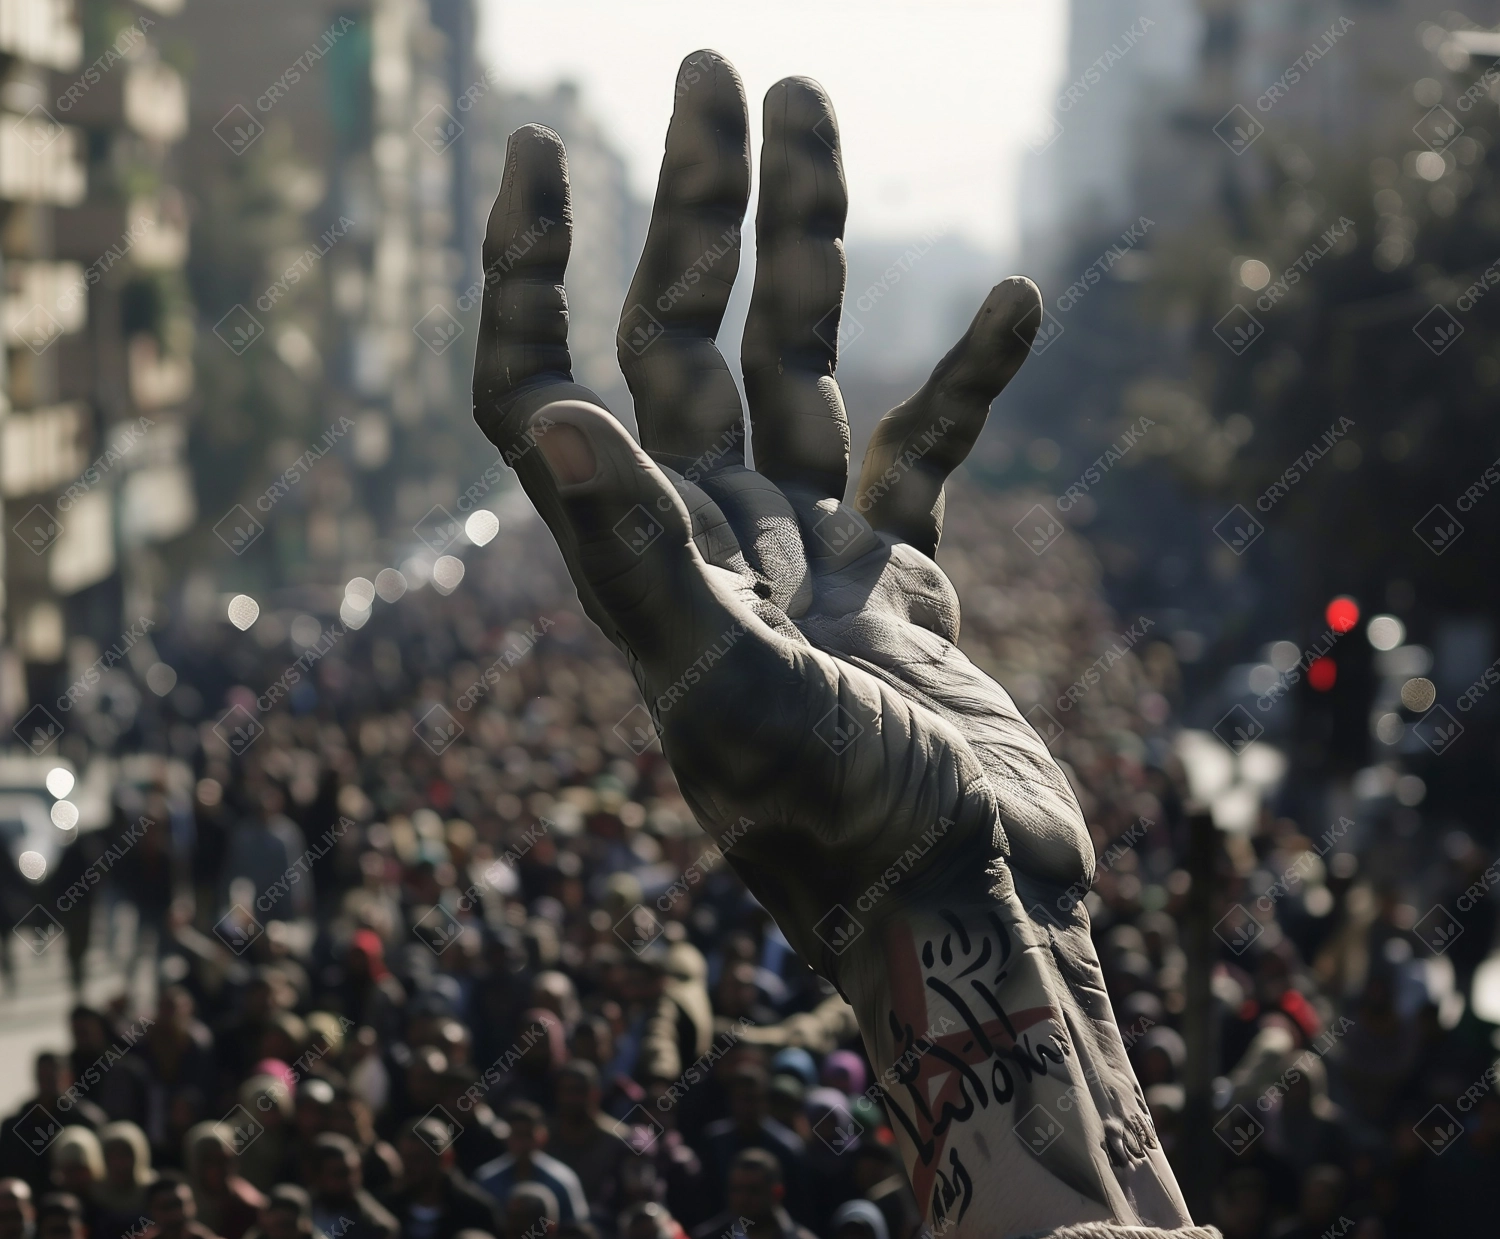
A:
(439, 953)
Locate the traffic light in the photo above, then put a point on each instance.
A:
(1333, 705)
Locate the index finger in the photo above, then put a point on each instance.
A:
(522, 360)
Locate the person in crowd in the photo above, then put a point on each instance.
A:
(227, 1203)
(173, 1209)
(77, 1164)
(25, 1134)
(17, 1210)
(750, 1126)
(755, 1192)
(287, 1215)
(340, 1203)
(527, 1161)
(433, 1199)
(121, 1194)
(59, 1215)
(857, 1219)
(121, 1091)
(584, 1140)
(531, 1212)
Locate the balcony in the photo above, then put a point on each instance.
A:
(157, 382)
(145, 95)
(40, 160)
(42, 301)
(147, 232)
(41, 450)
(45, 32)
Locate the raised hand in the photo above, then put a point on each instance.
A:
(882, 798)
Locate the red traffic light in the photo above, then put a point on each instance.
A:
(1342, 614)
(1322, 673)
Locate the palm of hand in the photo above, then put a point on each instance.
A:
(797, 653)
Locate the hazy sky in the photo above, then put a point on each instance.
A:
(933, 97)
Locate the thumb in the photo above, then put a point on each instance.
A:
(625, 533)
